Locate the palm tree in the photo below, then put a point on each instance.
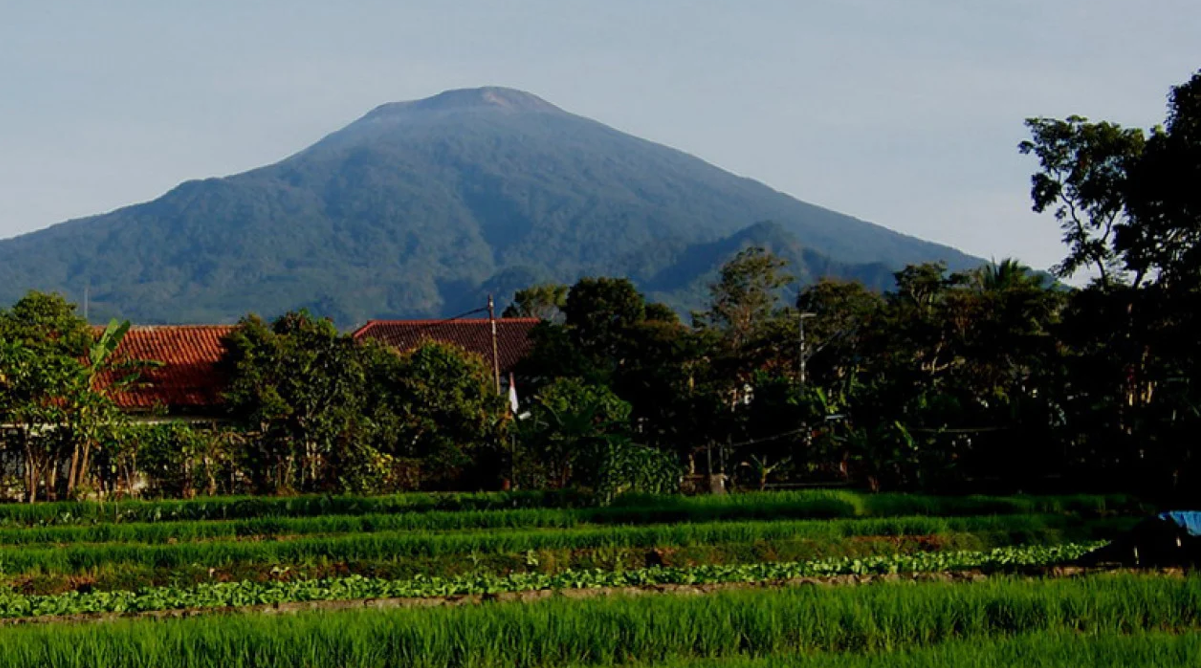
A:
(1007, 274)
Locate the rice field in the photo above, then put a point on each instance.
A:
(824, 578)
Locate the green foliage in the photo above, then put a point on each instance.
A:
(1082, 179)
(173, 530)
(626, 509)
(396, 546)
(544, 302)
(325, 413)
(180, 461)
(1162, 234)
(745, 297)
(576, 433)
(237, 594)
(863, 622)
(1125, 392)
(1037, 649)
(449, 415)
(51, 399)
(296, 385)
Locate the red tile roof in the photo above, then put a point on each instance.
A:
(187, 378)
(512, 336)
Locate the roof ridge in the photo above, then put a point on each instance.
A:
(188, 326)
(446, 321)
(192, 326)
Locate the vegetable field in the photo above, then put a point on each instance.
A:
(516, 579)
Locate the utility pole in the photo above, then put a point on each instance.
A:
(804, 355)
(495, 353)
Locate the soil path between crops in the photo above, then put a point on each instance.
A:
(973, 575)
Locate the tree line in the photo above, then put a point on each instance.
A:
(998, 378)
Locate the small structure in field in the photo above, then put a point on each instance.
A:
(1170, 538)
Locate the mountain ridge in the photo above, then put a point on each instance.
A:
(416, 204)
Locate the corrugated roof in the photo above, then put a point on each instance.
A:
(188, 376)
(474, 335)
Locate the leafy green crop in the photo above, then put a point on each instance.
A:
(235, 594)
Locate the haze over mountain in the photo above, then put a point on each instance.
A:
(419, 208)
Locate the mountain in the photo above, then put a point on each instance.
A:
(418, 207)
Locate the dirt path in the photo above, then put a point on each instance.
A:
(545, 594)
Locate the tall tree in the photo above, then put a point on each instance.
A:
(1082, 177)
(746, 295)
(842, 316)
(1163, 235)
(297, 385)
(545, 302)
(436, 412)
(55, 377)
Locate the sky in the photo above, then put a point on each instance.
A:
(906, 113)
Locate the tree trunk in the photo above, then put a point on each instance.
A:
(129, 473)
(52, 481)
(211, 488)
(73, 470)
(31, 475)
(81, 474)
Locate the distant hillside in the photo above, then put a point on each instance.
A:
(419, 207)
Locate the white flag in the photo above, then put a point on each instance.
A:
(512, 394)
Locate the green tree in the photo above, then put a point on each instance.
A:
(177, 459)
(1082, 177)
(545, 302)
(580, 434)
(55, 380)
(746, 295)
(436, 409)
(842, 315)
(600, 313)
(30, 385)
(1127, 390)
(297, 385)
(1162, 236)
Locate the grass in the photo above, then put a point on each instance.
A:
(823, 504)
(398, 545)
(1029, 650)
(542, 518)
(245, 507)
(603, 632)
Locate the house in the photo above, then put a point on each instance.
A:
(184, 380)
(513, 340)
(187, 383)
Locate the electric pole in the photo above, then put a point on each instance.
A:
(495, 353)
(804, 355)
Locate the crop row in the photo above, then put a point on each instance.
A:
(544, 518)
(1028, 650)
(226, 594)
(387, 545)
(621, 630)
(631, 509)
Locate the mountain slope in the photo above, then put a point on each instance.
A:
(415, 207)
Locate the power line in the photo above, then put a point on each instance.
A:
(765, 439)
(438, 323)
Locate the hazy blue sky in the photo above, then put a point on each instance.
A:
(903, 112)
